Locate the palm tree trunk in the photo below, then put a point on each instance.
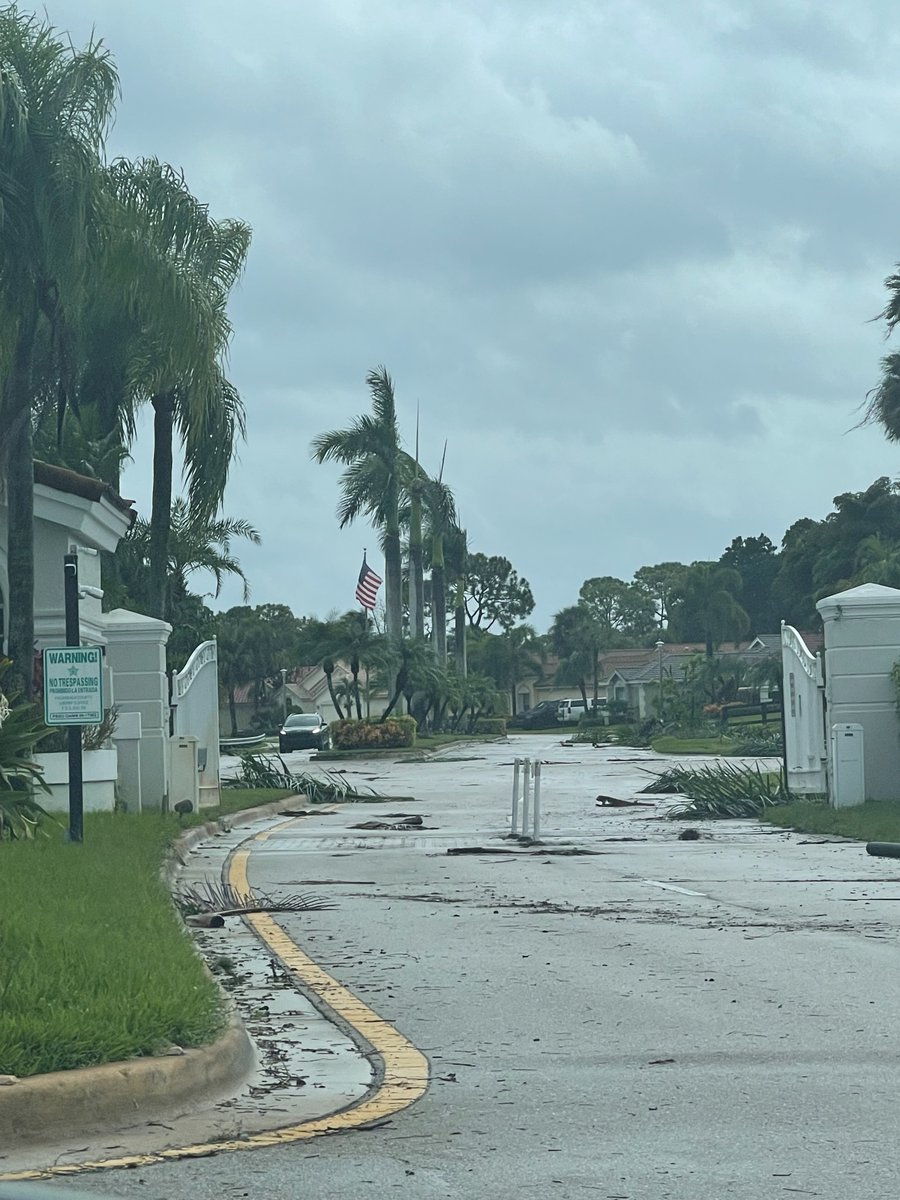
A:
(161, 507)
(439, 602)
(232, 710)
(459, 630)
(328, 668)
(416, 570)
(19, 461)
(393, 586)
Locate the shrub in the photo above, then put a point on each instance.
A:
(495, 725)
(389, 734)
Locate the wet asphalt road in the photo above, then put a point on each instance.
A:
(658, 1019)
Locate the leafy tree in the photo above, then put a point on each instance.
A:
(878, 561)
(234, 633)
(756, 561)
(622, 612)
(495, 595)
(510, 657)
(707, 608)
(372, 484)
(819, 558)
(660, 583)
(56, 103)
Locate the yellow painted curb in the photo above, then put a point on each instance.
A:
(404, 1076)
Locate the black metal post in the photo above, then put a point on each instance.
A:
(73, 638)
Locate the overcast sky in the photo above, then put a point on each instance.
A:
(624, 254)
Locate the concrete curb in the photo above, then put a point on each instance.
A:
(41, 1109)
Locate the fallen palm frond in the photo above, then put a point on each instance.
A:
(226, 901)
(271, 771)
(760, 743)
(671, 780)
(725, 790)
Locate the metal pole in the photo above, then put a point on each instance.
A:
(526, 791)
(515, 799)
(659, 707)
(73, 638)
(283, 694)
(536, 826)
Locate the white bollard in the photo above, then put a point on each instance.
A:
(526, 792)
(514, 822)
(536, 834)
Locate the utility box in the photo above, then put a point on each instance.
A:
(848, 772)
(184, 773)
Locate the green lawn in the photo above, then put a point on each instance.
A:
(97, 966)
(699, 745)
(872, 822)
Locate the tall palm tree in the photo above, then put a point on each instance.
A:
(707, 603)
(415, 482)
(56, 103)
(440, 520)
(181, 369)
(372, 484)
(456, 552)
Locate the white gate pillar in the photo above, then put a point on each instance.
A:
(862, 643)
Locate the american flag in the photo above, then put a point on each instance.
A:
(367, 586)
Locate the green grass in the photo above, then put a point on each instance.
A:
(871, 822)
(96, 965)
(698, 745)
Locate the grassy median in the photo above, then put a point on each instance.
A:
(95, 965)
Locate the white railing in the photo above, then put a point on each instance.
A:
(791, 640)
(206, 652)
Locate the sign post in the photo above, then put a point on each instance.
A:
(73, 693)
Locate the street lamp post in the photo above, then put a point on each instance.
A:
(283, 694)
(659, 650)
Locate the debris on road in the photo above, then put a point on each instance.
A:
(614, 802)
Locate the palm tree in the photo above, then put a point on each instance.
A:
(415, 482)
(196, 542)
(707, 603)
(372, 484)
(56, 103)
(577, 638)
(440, 519)
(456, 552)
(199, 260)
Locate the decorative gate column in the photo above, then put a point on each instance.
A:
(862, 643)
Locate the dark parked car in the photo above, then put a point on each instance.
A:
(304, 731)
(542, 716)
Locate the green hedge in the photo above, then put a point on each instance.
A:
(374, 735)
(496, 725)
